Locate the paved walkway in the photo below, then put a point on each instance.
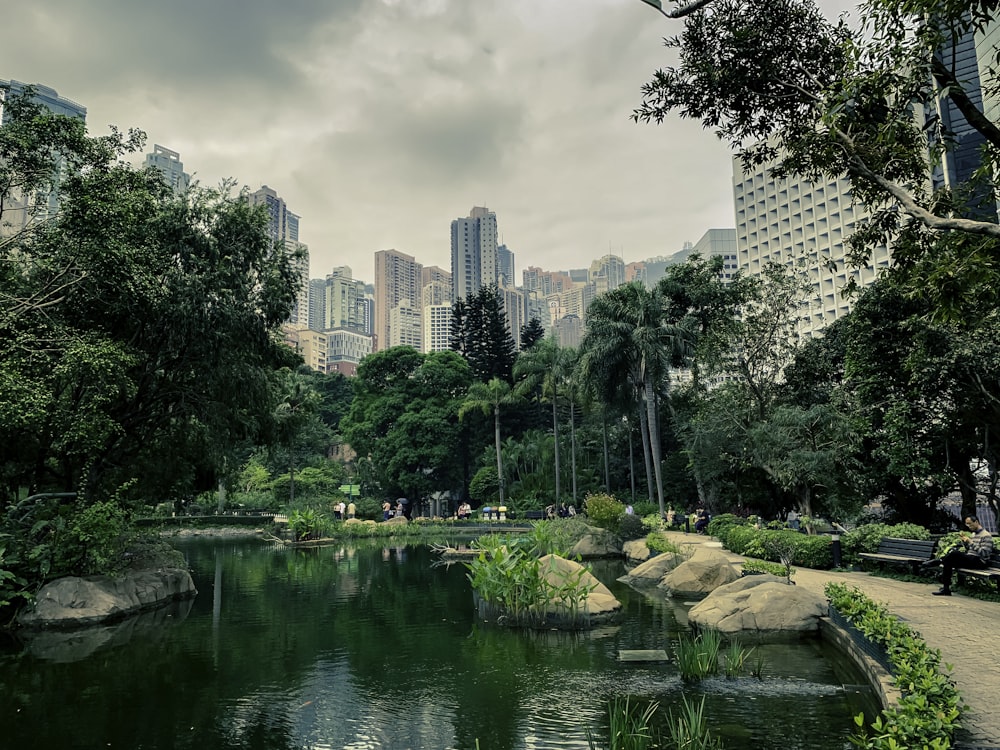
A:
(964, 629)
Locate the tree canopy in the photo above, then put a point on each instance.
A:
(138, 330)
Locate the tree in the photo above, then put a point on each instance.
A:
(140, 340)
(488, 398)
(403, 422)
(531, 333)
(786, 87)
(480, 333)
(629, 339)
(542, 369)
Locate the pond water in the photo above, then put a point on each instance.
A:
(375, 647)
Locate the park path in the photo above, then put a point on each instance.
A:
(965, 630)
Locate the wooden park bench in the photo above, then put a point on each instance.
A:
(534, 515)
(991, 572)
(895, 551)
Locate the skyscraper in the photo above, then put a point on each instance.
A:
(21, 210)
(343, 299)
(171, 167)
(505, 267)
(802, 224)
(473, 252)
(283, 228)
(397, 282)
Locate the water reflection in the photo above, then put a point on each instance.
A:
(373, 647)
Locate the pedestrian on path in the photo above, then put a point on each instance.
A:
(973, 551)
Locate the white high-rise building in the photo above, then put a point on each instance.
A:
(283, 228)
(21, 210)
(473, 252)
(803, 225)
(405, 325)
(437, 328)
(344, 301)
(171, 167)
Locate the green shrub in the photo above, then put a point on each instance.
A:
(780, 546)
(604, 510)
(484, 487)
(631, 527)
(645, 508)
(659, 543)
(719, 525)
(929, 710)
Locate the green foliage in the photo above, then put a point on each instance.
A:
(404, 420)
(12, 586)
(484, 487)
(660, 543)
(630, 527)
(96, 540)
(479, 332)
(629, 727)
(785, 546)
(929, 710)
(604, 510)
(698, 657)
(781, 570)
(511, 579)
(867, 538)
(719, 525)
(689, 728)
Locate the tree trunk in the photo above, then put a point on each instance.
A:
(654, 442)
(631, 460)
(644, 430)
(604, 435)
(496, 430)
(572, 447)
(555, 438)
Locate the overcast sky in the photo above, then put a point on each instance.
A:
(380, 121)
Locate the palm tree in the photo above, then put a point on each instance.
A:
(544, 366)
(628, 339)
(486, 397)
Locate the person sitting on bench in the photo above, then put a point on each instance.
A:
(973, 551)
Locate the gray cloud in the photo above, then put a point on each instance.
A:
(379, 121)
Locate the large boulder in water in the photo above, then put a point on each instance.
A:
(597, 542)
(653, 570)
(760, 604)
(76, 602)
(598, 605)
(637, 551)
(702, 573)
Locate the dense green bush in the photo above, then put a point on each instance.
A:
(928, 712)
(807, 551)
(867, 538)
(720, 525)
(484, 488)
(630, 527)
(605, 511)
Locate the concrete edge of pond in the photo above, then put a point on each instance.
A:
(878, 677)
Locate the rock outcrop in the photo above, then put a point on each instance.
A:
(78, 602)
(759, 604)
(598, 605)
(652, 571)
(636, 551)
(597, 543)
(702, 573)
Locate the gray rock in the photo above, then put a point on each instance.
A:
(75, 602)
(760, 604)
(702, 573)
(600, 603)
(597, 543)
(636, 551)
(653, 570)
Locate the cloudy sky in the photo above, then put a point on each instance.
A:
(380, 121)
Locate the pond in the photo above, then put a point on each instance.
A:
(362, 646)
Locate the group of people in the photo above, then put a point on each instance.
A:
(342, 511)
(562, 511)
(400, 510)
